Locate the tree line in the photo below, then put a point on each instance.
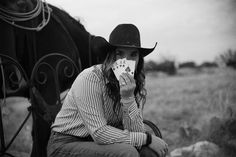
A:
(169, 66)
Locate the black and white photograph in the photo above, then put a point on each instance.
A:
(118, 78)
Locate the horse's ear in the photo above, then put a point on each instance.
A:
(100, 47)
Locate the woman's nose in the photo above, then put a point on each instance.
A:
(129, 58)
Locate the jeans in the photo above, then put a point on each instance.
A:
(61, 145)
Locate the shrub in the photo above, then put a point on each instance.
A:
(150, 66)
(222, 131)
(187, 65)
(229, 58)
(166, 66)
(208, 64)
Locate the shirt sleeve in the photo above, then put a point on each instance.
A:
(90, 105)
(132, 116)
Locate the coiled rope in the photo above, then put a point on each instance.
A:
(12, 17)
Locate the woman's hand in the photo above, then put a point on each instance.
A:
(159, 146)
(127, 86)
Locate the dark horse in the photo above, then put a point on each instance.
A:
(62, 34)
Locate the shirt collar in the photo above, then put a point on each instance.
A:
(99, 67)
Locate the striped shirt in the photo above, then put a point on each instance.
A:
(88, 110)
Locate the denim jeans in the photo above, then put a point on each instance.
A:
(61, 145)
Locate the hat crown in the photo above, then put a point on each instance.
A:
(125, 35)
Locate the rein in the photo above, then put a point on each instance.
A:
(89, 50)
(41, 7)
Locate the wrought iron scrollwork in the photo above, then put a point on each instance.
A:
(51, 75)
(44, 67)
(69, 69)
(13, 78)
(41, 76)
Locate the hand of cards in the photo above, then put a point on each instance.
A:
(123, 66)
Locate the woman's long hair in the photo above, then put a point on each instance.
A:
(113, 88)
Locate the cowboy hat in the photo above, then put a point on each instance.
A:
(124, 35)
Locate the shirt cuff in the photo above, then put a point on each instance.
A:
(138, 139)
(132, 109)
(127, 101)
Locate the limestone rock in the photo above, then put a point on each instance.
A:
(199, 149)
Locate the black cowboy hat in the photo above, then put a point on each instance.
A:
(124, 35)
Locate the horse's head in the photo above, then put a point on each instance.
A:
(20, 6)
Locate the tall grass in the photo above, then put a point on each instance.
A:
(183, 105)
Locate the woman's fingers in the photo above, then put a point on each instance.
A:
(124, 76)
(127, 86)
(122, 81)
(166, 151)
(161, 153)
(128, 78)
(159, 145)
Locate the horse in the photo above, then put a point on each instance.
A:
(62, 34)
(49, 30)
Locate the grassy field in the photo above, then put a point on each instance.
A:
(181, 106)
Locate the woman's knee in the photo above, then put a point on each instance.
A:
(126, 150)
(147, 152)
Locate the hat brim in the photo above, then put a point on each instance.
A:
(101, 47)
(143, 51)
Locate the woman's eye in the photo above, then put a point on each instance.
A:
(133, 54)
(118, 53)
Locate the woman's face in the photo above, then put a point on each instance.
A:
(128, 53)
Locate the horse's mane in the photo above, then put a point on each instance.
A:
(67, 17)
(78, 33)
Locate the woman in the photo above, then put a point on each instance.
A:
(102, 114)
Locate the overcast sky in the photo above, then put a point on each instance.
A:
(186, 30)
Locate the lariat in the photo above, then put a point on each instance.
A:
(13, 18)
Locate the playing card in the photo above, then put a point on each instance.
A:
(123, 65)
(130, 67)
(118, 68)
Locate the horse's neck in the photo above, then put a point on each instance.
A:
(78, 33)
